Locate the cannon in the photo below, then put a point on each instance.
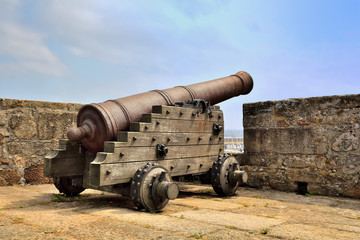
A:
(136, 145)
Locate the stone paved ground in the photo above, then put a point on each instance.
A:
(37, 212)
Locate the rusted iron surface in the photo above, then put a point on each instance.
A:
(100, 122)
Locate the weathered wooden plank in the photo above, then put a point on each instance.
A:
(135, 154)
(68, 160)
(116, 173)
(173, 125)
(153, 138)
(184, 113)
(63, 167)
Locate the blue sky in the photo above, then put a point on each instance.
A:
(91, 51)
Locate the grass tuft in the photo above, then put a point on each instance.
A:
(17, 220)
(198, 235)
(63, 198)
(309, 194)
(49, 231)
(231, 227)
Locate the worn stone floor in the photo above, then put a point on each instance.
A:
(38, 212)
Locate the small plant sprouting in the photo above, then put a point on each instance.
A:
(309, 194)
(264, 231)
(209, 191)
(231, 227)
(203, 197)
(182, 216)
(17, 220)
(245, 205)
(63, 198)
(49, 231)
(266, 205)
(198, 235)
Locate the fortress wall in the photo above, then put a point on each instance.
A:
(305, 145)
(28, 131)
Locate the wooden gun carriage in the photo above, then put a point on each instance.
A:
(184, 136)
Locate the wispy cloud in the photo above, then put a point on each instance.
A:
(25, 47)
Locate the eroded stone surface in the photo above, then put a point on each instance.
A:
(28, 131)
(50, 127)
(23, 126)
(310, 140)
(34, 212)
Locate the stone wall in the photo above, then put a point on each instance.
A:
(28, 131)
(305, 145)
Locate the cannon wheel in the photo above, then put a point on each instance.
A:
(220, 175)
(144, 185)
(64, 185)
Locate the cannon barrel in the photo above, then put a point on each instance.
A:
(100, 122)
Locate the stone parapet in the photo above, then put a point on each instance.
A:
(28, 131)
(310, 143)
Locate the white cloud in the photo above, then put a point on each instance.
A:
(25, 47)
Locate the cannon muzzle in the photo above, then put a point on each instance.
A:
(100, 122)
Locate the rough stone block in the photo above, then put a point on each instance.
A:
(3, 132)
(4, 161)
(20, 162)
(56, 124)
(2, 119)
(322, 189)
(2, 150)
(285, 140)
(302, 175)
(9, 177)
(345, 142)
(297, 161)
(353, 191)
(282, 185)
(23, 126)
(34, 175)
(39, 149)
(263, 159)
